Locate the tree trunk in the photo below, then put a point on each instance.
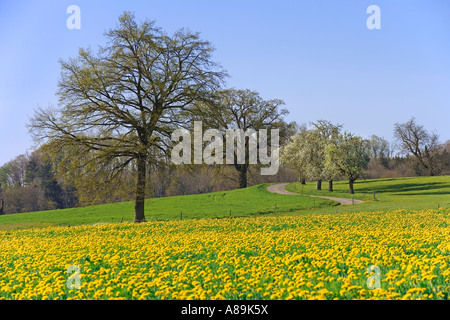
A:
(330, 186)
(350, 186)
(319, 185)
(431, 168)
(1, 208)
(303, 181)
(243, 177)
(139, 215)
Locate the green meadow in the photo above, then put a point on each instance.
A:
(255, 201)
(378, 195)
(412, 193)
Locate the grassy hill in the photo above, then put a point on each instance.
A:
(390, 194)
(255, 200)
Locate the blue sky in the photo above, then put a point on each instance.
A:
(318, 56)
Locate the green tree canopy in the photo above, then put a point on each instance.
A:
(246, 110)
(350, 156)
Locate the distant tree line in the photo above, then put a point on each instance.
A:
(28, 183)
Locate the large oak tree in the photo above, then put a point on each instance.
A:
(245, 110)
(416, 140)
(120, 104)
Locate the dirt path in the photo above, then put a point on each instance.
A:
(279, 188)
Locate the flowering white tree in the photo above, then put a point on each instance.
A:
(306, 153)
(292, 156)
(349, 156)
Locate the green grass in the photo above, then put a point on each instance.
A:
(255, 200)
(390, 194)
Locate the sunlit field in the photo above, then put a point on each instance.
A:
(291, 257)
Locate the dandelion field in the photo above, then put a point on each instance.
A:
(288, 257)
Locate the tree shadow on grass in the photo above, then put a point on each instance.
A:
(377, 180)
(404, 188)
(440, 193)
